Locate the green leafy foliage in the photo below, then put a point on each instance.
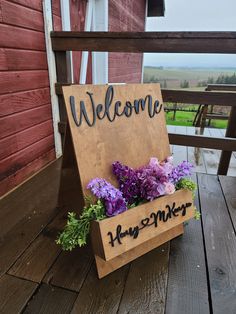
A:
(197, 215)
(186, 183)
(76, 230)
(190, 185)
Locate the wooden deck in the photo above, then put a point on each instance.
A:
(205, 160)
(195, 273)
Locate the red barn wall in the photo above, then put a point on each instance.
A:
(77, 16)
(26, 129)
(126, 16)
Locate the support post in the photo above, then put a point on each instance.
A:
(63, 77)
(226, 155)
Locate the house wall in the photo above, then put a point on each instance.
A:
(26, 132)
(26, 128)
(126, 16)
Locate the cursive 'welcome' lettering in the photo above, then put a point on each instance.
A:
(152, 220)
(110, 110)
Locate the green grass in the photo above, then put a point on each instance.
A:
(186, 119)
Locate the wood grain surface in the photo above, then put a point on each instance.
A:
(134, 217)
(130, 140)
(14, 294)
(220, 242)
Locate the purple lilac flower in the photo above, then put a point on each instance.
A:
(184, 169)
(128, 181)
(114, 201)
(154, 177)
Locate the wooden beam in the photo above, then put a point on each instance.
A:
(227, 144)
(199, 97)
(173, 42)
(188, 97)
(214, 116)
(223, 87)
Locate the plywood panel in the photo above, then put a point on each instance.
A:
(132, 140)
(141, 218)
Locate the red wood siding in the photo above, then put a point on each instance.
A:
(126, 15)
(77, 15)
(26, 131)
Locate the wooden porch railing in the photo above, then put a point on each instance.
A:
(170, 42)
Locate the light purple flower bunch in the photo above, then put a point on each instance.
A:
(154, 179)
(150, 181)
(184, 169)
(135, 185)
(112, 197)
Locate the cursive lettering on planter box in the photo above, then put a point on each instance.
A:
(110, 110)
(153, 220)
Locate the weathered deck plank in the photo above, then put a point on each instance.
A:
(26, 197)
(36, 208)
(220, 244)
(51, 300)
(101, 296)
(14, 294)
(145, 289)
(228, 185)
(70, 269)
(187, 281)
(41, 253)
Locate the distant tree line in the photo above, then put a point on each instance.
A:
(221, 79)
(154, 79)
(184, 84)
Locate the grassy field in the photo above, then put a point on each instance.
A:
(174, 76)
(186, 119)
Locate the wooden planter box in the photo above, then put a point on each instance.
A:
(125, 123)
(138, 230)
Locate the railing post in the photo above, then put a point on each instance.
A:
(226, 155)
(63, 76)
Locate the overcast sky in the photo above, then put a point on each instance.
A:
(194, 15)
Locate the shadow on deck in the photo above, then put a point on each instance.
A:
(194, 273)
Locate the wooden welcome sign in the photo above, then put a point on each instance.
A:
(125, 123)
